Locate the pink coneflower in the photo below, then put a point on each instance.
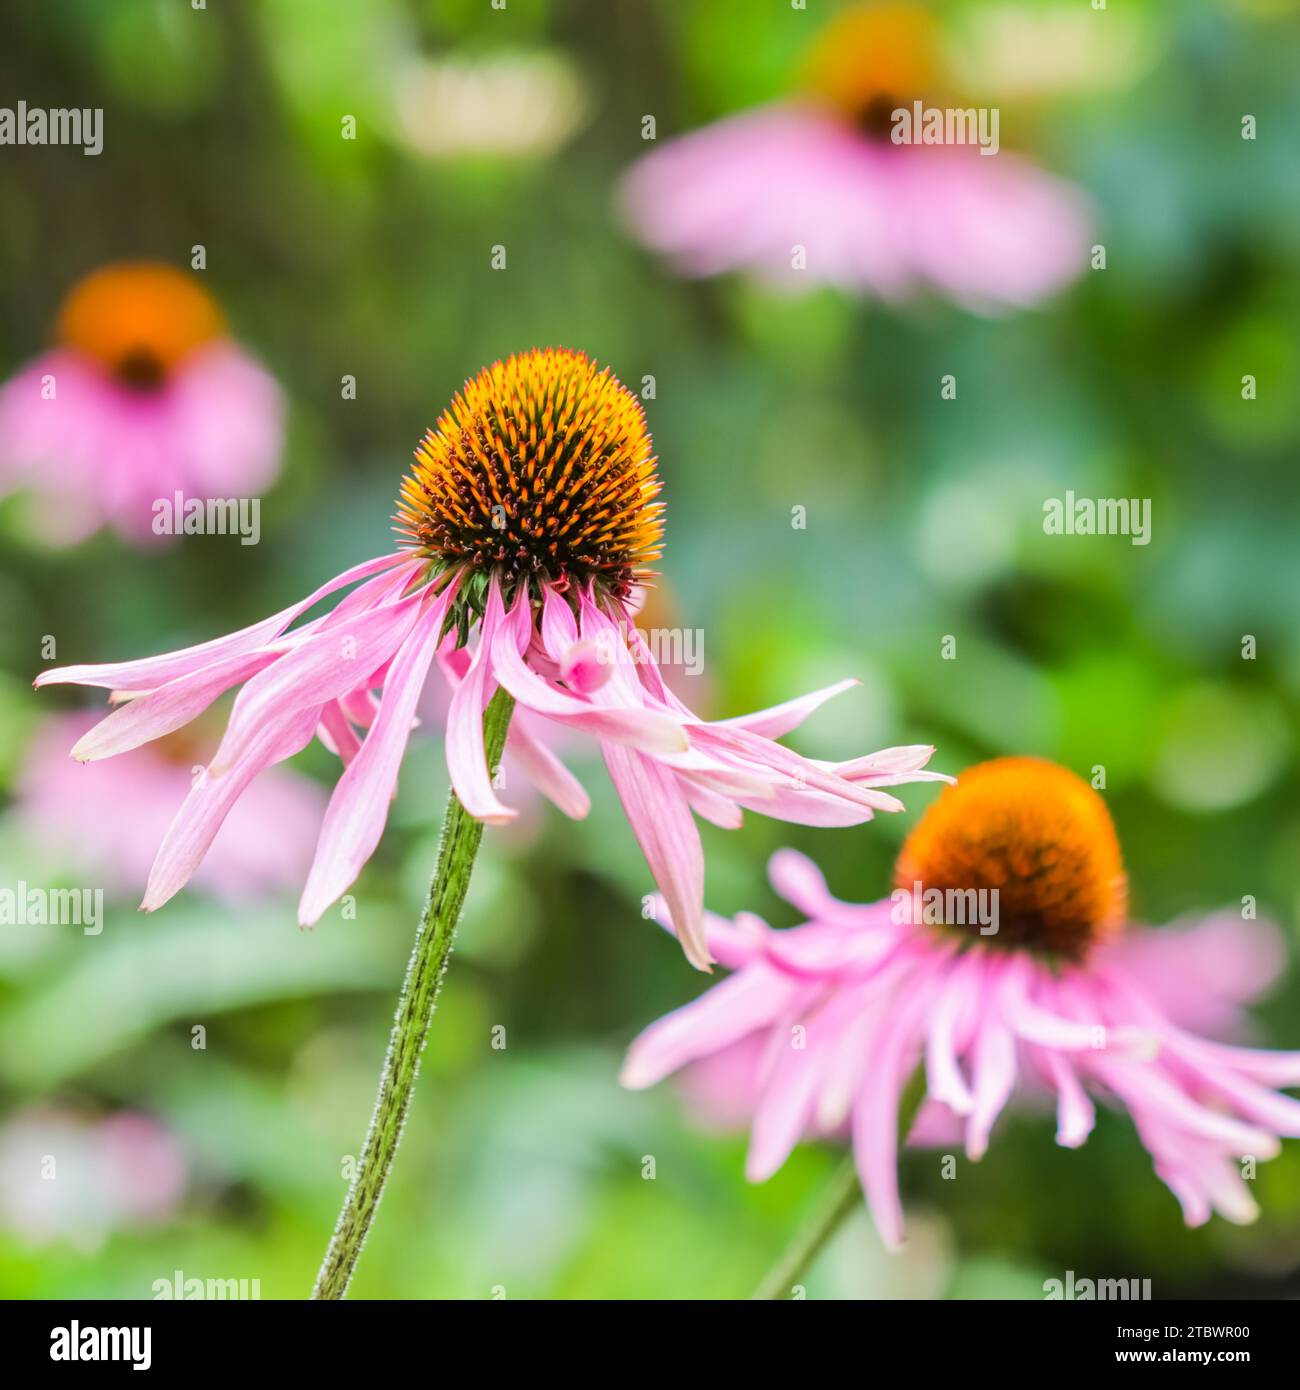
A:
(145, 396)
(829, 1020)
(813, 189)
(74, 1178)
(107, 820)
(529, 519)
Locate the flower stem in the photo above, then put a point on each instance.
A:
(842, 1197)
(457, 850)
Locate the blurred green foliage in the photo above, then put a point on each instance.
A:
(523, 1168)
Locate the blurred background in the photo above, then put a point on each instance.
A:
(220, 1153)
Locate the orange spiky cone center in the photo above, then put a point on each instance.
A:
(540, 469)
(1038, 837)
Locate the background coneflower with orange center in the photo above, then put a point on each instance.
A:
(812, 190)
(1046, 991)
(145, 395)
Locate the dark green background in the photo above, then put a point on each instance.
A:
(522, 1168)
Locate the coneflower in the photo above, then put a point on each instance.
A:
(528, 522)
(812, 190)
(1002, 959)
(145, 395)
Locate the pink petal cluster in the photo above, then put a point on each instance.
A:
(95, 452)
(107, 819)
(575, 660)
(871, 217)
(821, 1026)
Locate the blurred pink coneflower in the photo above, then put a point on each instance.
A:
(69, 1177)
(821, 1026)
(144, 396)
(814, 190)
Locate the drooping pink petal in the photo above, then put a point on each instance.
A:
(327, 665)
(150, 672)
(213, 795)
(1075, 1113)
(827, 950)
(1145, 1089)
(803, 771)
(466, 753)
(358, 809)
(716, 809)
(1037, 1024)
(169, 707)
(943, 1070)
(1246, 1097)
(876, 1140)
(798, 806)
(724, 777)
(734, 944)
(784, 1108)
(612, 639)
(337, 734)
(1200, 973)
(229, 411)
(781, 719)
(663, 825)
(847, 1022)
(993, 1081)
(546, 772)
(798, 880)
(735, 1007)
(559, 626)
(891, 767)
